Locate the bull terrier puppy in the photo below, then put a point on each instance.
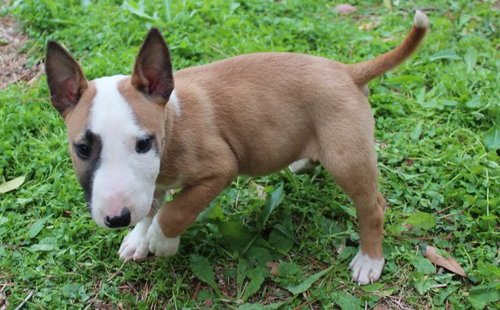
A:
(131, 138)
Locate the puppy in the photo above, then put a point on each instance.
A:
(131, 138)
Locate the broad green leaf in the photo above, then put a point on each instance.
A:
(241, 272)
(258, 255)
(449, 103)
(248, 306)
(212, 213)
(420, 95)
(415, 135)
(348, 210)
(286, 269)
(423, 265)
(470, 59)
(346, 301)
(433, 103)
(422, 282)
(36, 227)
(42, 247)
(441, 297)
(372, 287)
(237, 235)
(137, 10)
(474, 103)
(273, 201)
(286, 229)
(52, 6)
(492, 138)
(45, 245)
(305, 285)
(203, 270)
(422, 220)
(73, 290)
(280, 242)
(483, 295)
(257, 277)
(168, 9)
(347, 252)
(11, 185)
(489, 272)
(273, 306)
(445, 54)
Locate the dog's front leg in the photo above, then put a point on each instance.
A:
(175, 216)
(135, 245)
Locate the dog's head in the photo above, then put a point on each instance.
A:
(116, 129)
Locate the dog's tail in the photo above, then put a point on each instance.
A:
(363, 72)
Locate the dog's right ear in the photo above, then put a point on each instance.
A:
(65, 78)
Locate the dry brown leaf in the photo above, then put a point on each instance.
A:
(431, 253)
(380, 307)
(3, 301)
(261, 191)
(367, 26)
(345, 9)
(274, 268)
(208, 302)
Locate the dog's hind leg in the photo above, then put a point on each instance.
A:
(350, 157)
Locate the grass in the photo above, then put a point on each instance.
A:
(438, 128)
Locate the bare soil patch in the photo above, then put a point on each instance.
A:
(13, 62)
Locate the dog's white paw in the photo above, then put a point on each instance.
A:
(158, 243)
(135, 245)
(366, 270)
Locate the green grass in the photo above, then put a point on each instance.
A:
(438, 128)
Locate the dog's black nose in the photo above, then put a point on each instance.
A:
(122, 220)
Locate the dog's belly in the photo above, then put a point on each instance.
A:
(272, 150)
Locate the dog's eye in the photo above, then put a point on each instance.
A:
(83, 151)
(143, 145)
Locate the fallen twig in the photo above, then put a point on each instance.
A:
(30, 294)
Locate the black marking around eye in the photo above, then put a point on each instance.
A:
(90, 165)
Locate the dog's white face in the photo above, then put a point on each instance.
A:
(128, 160)
(116, 130)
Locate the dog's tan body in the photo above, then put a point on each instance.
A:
(255, 114)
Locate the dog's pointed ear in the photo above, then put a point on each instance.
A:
(153, 68)
(65, 78)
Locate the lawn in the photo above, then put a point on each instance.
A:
(281, 241)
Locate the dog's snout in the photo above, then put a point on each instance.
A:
(121, 220)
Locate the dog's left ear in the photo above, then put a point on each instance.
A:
(153, 68)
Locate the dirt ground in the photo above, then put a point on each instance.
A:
(13, 59)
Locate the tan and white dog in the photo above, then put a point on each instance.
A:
(133, 137)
